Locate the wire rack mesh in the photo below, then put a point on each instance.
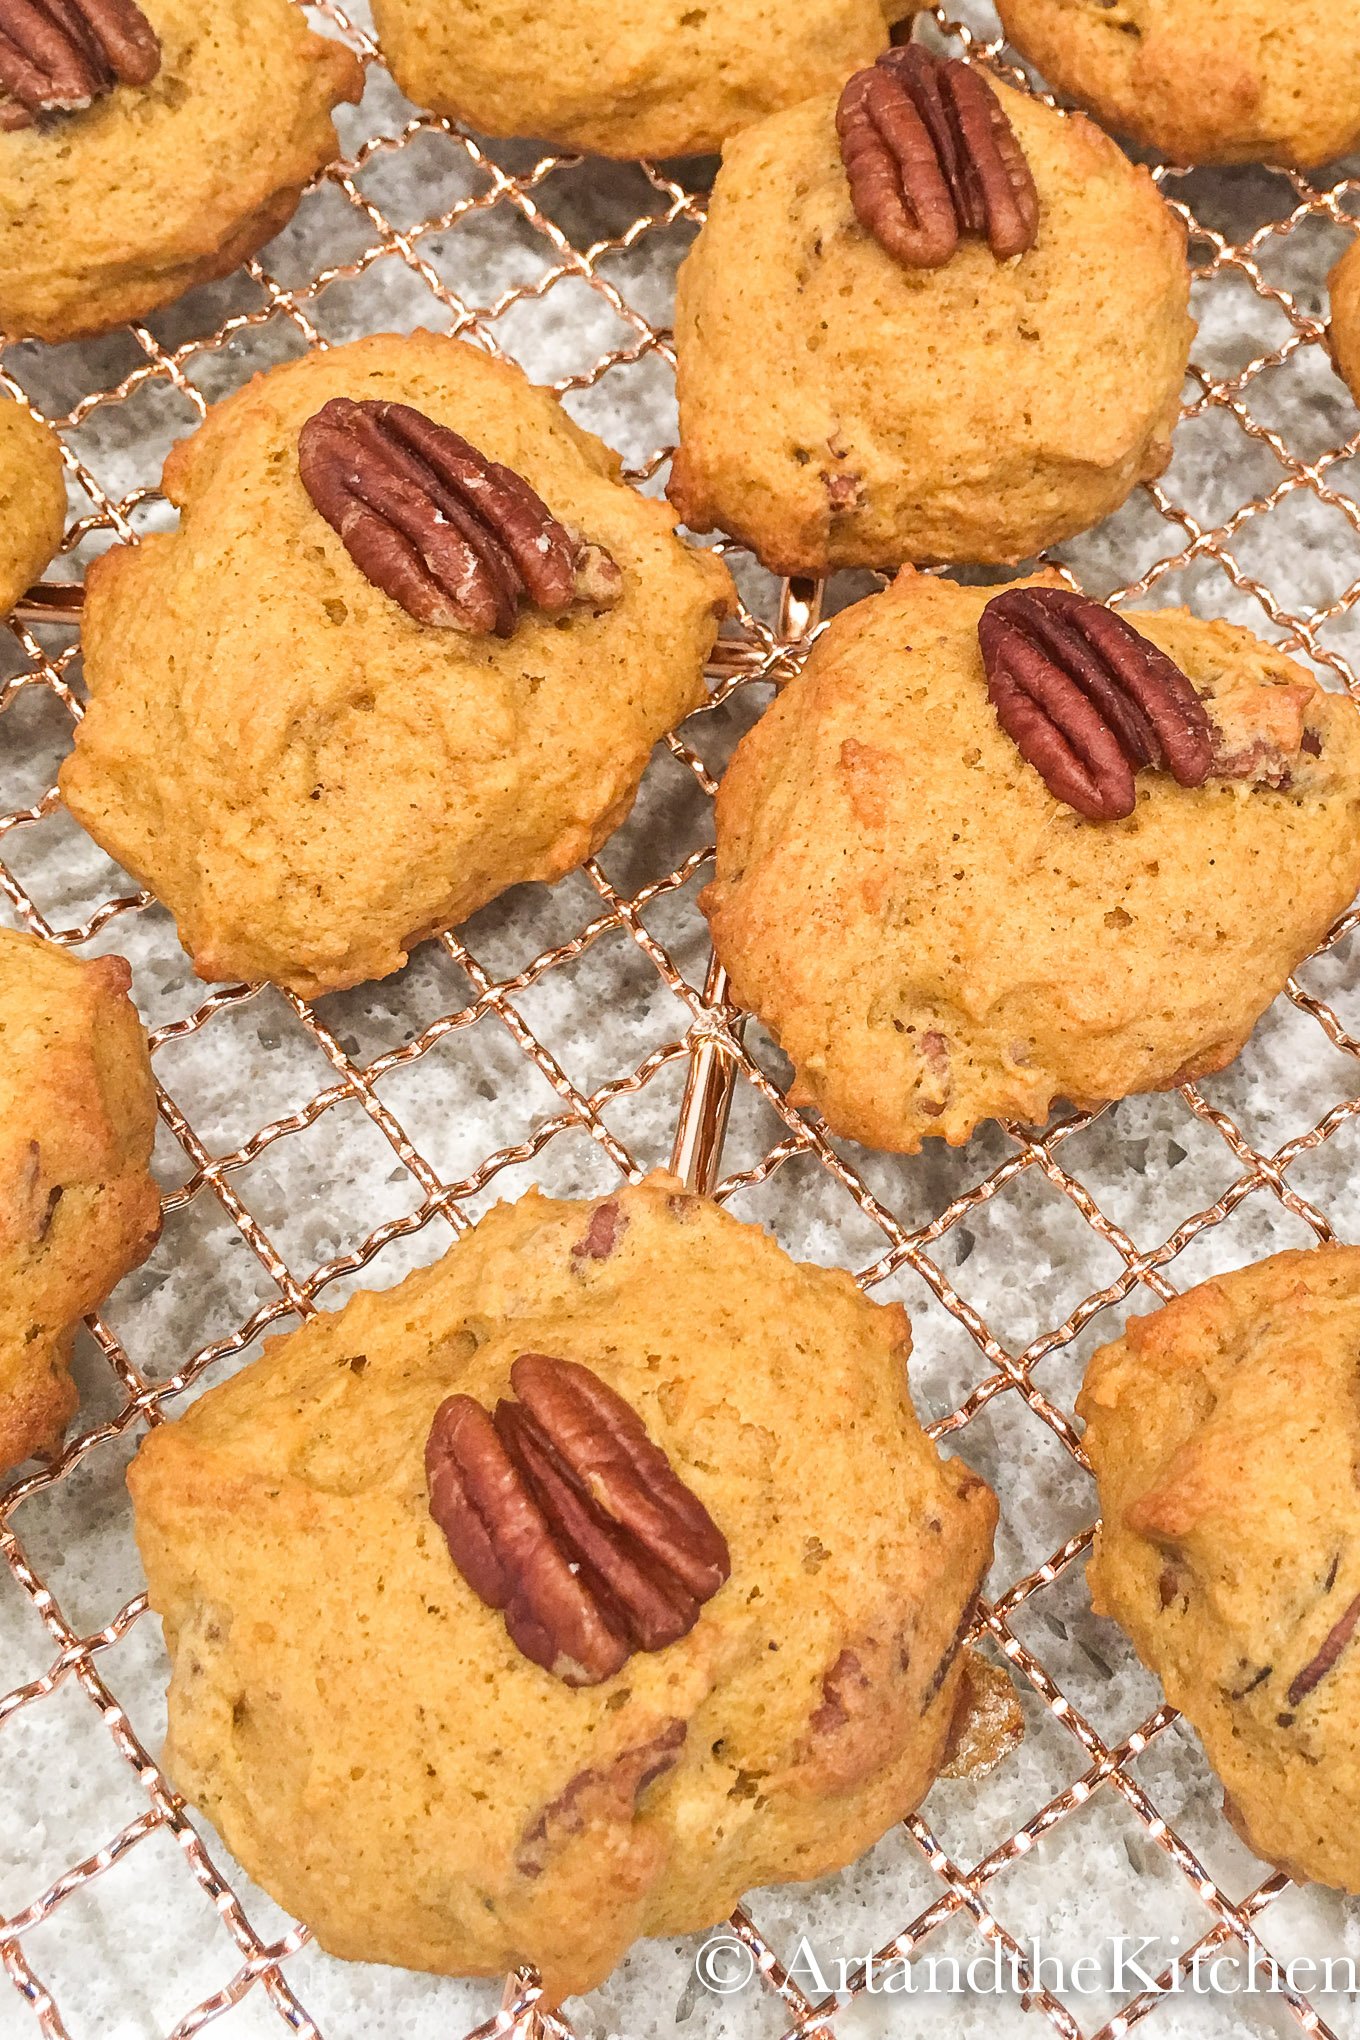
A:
(583, 1034)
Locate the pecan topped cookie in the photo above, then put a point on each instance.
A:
(146, 148)
(685, 1615)
(955, 896)
(928, 318)
(473, 633)
(1223, 1434)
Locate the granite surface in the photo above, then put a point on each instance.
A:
(133, 1950)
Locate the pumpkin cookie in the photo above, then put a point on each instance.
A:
(638, 79)
(1223, 1433)
(1343, 332)
(1205, 81)
(944, 922)
(457, 698)
(78, 1207)
(163, 156)
(596, 1574)
(32, 501)
(852, 396)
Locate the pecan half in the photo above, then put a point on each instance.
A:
(56, 56)
(607, 1226)
(842, 1690)
(602, 1796)
(987, 1723)
(930, 155)
(561, 1512)
(1086, 700)
(460, 541)
(1261, 736)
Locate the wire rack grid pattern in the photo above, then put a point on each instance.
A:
(901, 1223)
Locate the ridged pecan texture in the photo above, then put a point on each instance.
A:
(458, 540)
(56, 56)
(1087, 701)
(930, 155)
(560, 1511)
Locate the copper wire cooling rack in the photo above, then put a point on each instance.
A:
(569, 1037)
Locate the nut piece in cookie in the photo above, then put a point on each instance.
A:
(700, 1450)
(32, 501)
(147, 148)
(636, 79)
(1205, 81)
(1223, 1433)
(78, 1206)
(876, 365)
(289, 744)
(913, 892)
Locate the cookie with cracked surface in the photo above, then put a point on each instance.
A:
(936, 940)
(465, 1809)
(1343, 328)
(1205, 81)
(119, 206)
(388, 777)
(840, 410)
(32, 500)
(638, 79)
(1223, 1433)
(78, 1206)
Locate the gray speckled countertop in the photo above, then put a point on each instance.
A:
(135, 1948)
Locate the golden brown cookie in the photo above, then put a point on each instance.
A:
(32, 501)
(1205, 81)
(1343, 331)
(936, 939)
(311, 779)
(78, 1207)
(638, 79)
(360, 1726)
(118, 207)
(838, 409)
(1223, 1431)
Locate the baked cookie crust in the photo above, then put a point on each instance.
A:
(1223, 1434)
(108, 213)
(32, 501)
(1205, 81)
(636, 79)
(78, 1206)
(1343, 331)
(840, 410)
(310, 779)
(935, 940)
(359, 1726)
